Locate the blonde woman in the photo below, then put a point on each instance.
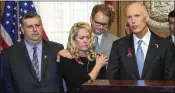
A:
(85, 64)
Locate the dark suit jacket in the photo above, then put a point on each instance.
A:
(23, 75)
(169, 38)
(6, 84)
(159, 62)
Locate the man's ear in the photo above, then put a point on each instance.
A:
(147, 16)
(22, 29)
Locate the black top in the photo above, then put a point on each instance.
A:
(76, 74)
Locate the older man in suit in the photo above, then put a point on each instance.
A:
(171, 19)
(32, 62)
(101, 17)
(142, 55)
(5, 80)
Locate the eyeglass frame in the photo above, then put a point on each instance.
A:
(99, 24)
(171, 23)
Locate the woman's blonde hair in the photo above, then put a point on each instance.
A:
(71, 45)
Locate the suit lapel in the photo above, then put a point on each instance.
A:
(152, 49)
(170, 38)
(131, 59)
(44, 58)
(102, 44)
(26, 59)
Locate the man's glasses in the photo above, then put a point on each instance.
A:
(99, 24)
(172, 23)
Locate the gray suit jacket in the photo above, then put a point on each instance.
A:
(106, 43)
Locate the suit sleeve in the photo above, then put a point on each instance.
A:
(169, 69)
(6, 80)
(113, 65)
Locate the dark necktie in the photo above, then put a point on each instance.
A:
(97, 45)
(35, 62)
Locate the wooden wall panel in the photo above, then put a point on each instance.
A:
(2, 3)
(114, 26)
(121, 17)
(118, 26)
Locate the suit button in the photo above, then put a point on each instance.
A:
(78, 89)
(41, 88)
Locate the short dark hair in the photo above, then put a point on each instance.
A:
(30, 15)
(172, 13)
(104, 9)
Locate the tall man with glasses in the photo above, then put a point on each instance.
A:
(101, 17)
(171, 20)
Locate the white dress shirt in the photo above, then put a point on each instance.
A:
(99, 38)
(173, 37)
(145, 43)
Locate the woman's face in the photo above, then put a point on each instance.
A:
(82, 40)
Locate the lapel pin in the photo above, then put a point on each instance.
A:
(156, 45)
(45, 56)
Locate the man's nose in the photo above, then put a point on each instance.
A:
(133, 21)
(34, 28)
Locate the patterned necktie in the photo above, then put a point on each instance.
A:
(97, 46)
(35, 62)
(140, 57)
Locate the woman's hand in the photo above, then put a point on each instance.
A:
(64, 53)
(101, 60)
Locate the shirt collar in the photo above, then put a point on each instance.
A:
(173, 37)
(145, 39)
(99, 36)
(30, 47)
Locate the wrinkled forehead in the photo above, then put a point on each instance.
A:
(136, 8)
(171, 19)
(101, 17)
(33, 20)
(133, 11)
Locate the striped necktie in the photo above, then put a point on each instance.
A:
(35, 62)
(97, 45)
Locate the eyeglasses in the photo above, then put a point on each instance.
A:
(172, 23)
(99, 24)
